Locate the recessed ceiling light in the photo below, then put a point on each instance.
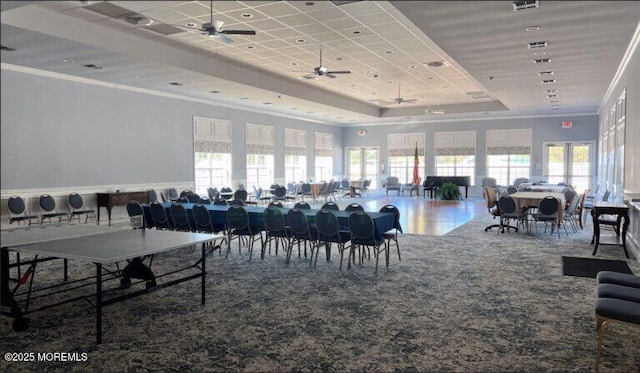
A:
(533, 28)
(68, 61)
(491, 77)
(539, 53)
(546, 72)
(388, 52)
(246, 15)
(250, 47)
(191, 24)
(300, 41)
(542, 60)
(356, 32)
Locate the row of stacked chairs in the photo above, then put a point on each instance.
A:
(48, 211)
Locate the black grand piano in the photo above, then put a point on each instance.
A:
(432, 183)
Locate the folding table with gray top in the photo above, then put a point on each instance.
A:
(97, 245)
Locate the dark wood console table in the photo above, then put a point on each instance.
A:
(108, 200)
(621, 211)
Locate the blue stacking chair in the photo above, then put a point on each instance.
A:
(363, 234)
(329, 232)
(276, 229)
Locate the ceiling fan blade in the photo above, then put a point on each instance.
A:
(339, 72)
(217, 24)
(238, 32)
(223, 38)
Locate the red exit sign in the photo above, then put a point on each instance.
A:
(567, 124)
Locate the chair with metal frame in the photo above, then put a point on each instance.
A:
(18, 211)
(203, 224)
(329, 232)
(275, 204)
(179, 217)
(302, 205)
(354, 207)
(153, 195)
(276, 230)
(393, 183)
(236, 202)
(392, 234)
(548, 212)
(204, 201)
(490, 196)
(136, 216)
(48, 209)
(239, 225)
(76, 208)
(193, 197)
(159, 216)
(509, 211)
(301, 232)
(363, 235)
(172, 194)
(330, 206)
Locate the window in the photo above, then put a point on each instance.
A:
(260, 160)
(456, 154)
(212, 153)
(324, 156)
(402, 149)
(295, 155)
(508, 155)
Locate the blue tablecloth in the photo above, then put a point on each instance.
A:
(383, 221)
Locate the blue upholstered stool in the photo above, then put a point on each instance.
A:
(625, 279)
(610, 310)
(618, 292)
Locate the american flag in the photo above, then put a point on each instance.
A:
(416, 163)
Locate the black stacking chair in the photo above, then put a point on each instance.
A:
(547, 212)
(329, 232)
(330, 206)
(202, 224)
(363, 235)
(48, 209)
(17, 211)
(354, 207)
(226, 193)
(508, 212)
(76, 208)
(159, 215)
(153, 196)
(204, 201)
(237, 202)
(179, 217)
(240, 225)
(276, 229)
(241, 194)
(392, 235)
(301, 232)
(136, 215)
(212, 193)
(302, 205)
(305, 190)
(221, 202)
(182, 200)
(279, 194)
(275, 204)
(172, 193)
(193, 197)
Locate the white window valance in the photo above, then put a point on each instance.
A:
(294, 150)
(205, 146)
(456, 151)
(260, 149)
(406, 152)
(323, 152)
(510, 150)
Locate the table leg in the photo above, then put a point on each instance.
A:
(98, 303)
(625, 226)
(203, 272)
(596, 233)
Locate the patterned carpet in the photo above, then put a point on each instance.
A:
(467, 301)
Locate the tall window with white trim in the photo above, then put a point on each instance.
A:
(212, 152)
(401, 149)
(260, 149)
(323, 156)
(456, 154)
(295, 155)
(509, 155)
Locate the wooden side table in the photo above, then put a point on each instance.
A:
(610, 208)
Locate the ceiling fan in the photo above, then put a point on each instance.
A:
(324, 71)
(214, 29)
(398, 100)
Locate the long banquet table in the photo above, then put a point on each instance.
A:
(383, 221)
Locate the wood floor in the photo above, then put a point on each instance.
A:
(424, 216)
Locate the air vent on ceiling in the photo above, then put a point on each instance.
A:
(175, 83)
(552, 96)
(7, 49)
(542, 60)
(545, 73)
(537, 44)
(525, 4)
(549, 91)
(548, 81)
